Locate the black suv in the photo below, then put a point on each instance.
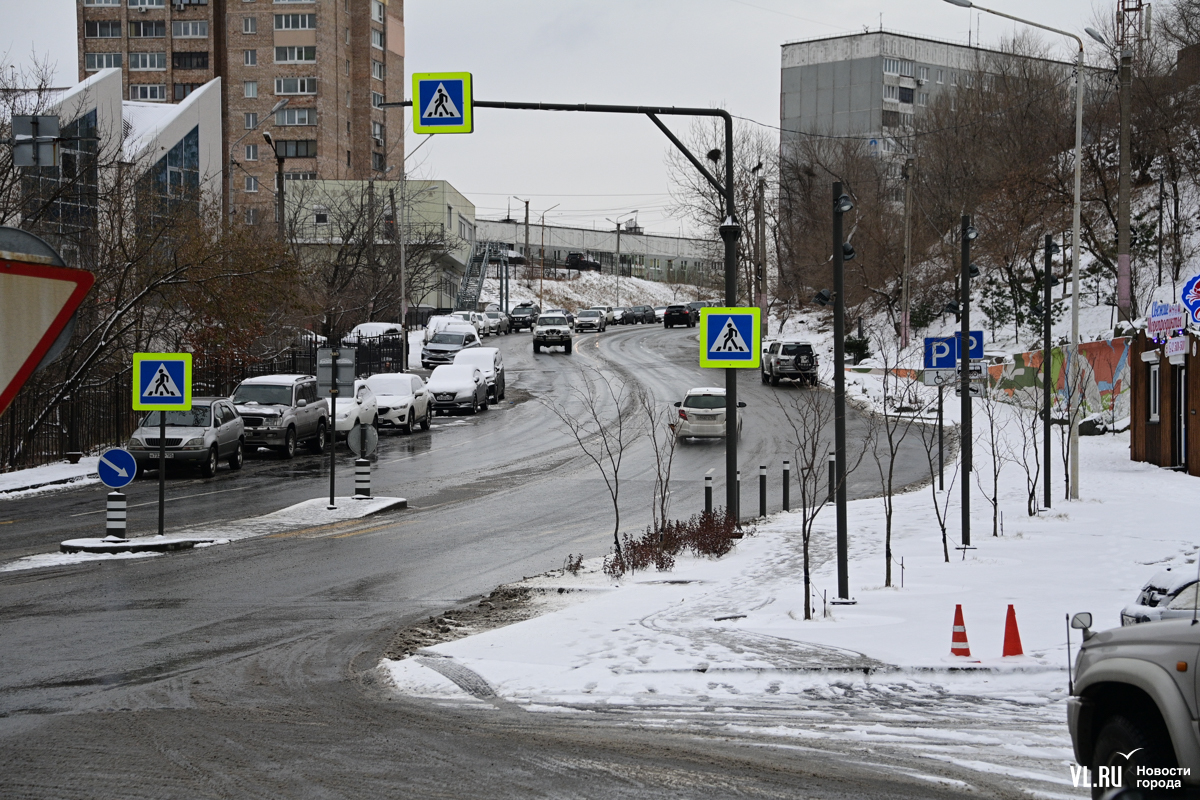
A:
(637, 314)
(678, 315)
(525, 316)
(695, 307)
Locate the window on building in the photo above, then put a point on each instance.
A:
(297, 148)
(891, 66)
(189, 2)
(923, 99)
(252, 152)
(95, 61)
(295, 86)
(251, 118)
(953, 78)
(295, 55)
(376, 99)
(907, 68)
(906, 94)
(377, 133)
(153, 92)
(182, 90)
(250, 89)
(251, 183)
(102, 29)
(891, 92)
(1155, 389)
(147, 30)
(296, 116)
(378, 70)
(923, 73)
(988, 82)
(320, 215)
(145, 3)
(347, 158)
(190, 29)
(377, 11)
(295, 22)
(251, 216)
(249, 24)
(940, 76)
(377, 39)
(891, 119)
(102, 2)
(140, 62)
(299, 176)
(969, 80)
(378, 162)
(190, 60)
(250, 58)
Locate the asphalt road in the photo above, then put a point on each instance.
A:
(246, 670)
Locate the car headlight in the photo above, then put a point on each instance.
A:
(272, 422)
(194, 442)
(135, 444)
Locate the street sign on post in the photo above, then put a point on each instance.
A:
(362, 439)
(34, 141)
(162, 381)
(345, 369)
(730, 338)
(117, 468)
(977, 390)
(38, 299)
(442, 102)
(976, 349)
(943, 352)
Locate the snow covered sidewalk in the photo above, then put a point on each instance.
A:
(50, 477)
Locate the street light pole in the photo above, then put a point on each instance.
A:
(839, 390)
(542, 277)
(964, 378)
(617, 223)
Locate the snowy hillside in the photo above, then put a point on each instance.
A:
(594, 289)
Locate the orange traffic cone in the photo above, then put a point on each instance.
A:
(1012, 637)
(958, 638)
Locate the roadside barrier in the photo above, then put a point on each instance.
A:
(958, 635)
(1012, 636)
(362, 477)
(116, 516)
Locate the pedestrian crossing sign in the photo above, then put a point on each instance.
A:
(162, 381)
(730, 338)
(442, 102)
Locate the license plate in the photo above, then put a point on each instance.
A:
(705, 417)
(168, 455)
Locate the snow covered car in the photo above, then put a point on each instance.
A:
(553, 331)
(702, 414)
(361, 408)
(1167, 595)
(590, 319)
(210, 432)
(401, 399)
(491, 363)
(457, 387)
(371, 330)
(445, 344)
(475, 319)
(280, 411)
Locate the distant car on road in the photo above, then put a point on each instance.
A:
(280, 411)
(678, 315)
(695, 307)
(209, 433)
(446, 344)
(458, 387)
(402, 400)
(659, 313)
(635, 315)
(490, 362)
(561, 312)
(702, 414)
(525, 316)
(590, 319)
(607, 311)
(476, 320)
(361, 408)
(497, 321)
(553, 331)
(790, 359)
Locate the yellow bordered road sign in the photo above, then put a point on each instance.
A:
(442, 102)
(730, 338)
(162, 381)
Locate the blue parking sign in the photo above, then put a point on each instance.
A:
(943, 352)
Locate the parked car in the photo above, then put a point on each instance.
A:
(635, 315)
(618, 314)
(401, 399)
(659, 313)
(590, 319)
(445, 344)
(371, 330)
(360, 408)
(280, 411)
(678, 315)
(1167, 595)
(702, 414)
(695, 307)
(209, 433)
(489, 361)
(561, 312)
(475, 319)
(608, 314)
(1132, 707)
(553, 331)
(498, 321)
(439, 323)
(457, 387)
(790, 359)
(525, 316)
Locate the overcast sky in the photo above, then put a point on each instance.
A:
(662, 52)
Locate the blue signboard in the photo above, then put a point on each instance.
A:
(976, 350)
(943, 352)
(442, 102)
(162, 381)
(729, 338)
(117, 468)
(1191, 297)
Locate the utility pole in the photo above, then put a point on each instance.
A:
(617, 266)
(910, 167)
(1046, 370)
(760, 250)
(527, 260)
(1160, 216)
(841, 204)
(964, 382)
(399, 231)
(1124, 278)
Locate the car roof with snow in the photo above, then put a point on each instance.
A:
(273, 379)
(706, 390)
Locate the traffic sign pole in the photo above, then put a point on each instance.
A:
(965, 381)
(162, 382)
(839, 397)
(162, 470)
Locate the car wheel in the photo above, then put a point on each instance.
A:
(375, 422)
(764, 376)
(425, 421)
(210, 466)
(238, 458)
(1143, 737)
(317, 444)
(537, 348)
(665, 325)
(289, 443)
(567, 348)
(774, 380)
(407, 425)
(483, 406)
(474, 405)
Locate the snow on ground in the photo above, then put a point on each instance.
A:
(728, 636)
(48, 478)
(594, 289)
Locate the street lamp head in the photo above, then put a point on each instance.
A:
(1095, 34)
(843, 204)
(270, 141)
(823, 297)
(279, 105)
(973, 271)
(972, 233)
(951, 307)
(848, 253)
(714, 155)
(961, 3)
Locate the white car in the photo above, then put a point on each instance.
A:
(359, 408)
(607, 311)
(437, 324)
(659, 313)
(702, 414)
(457, 387)
(490, 362)
(371, 330)
(402, 400)
(476, 320)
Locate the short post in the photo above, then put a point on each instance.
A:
(787, 485)
(362, 477)
(762, 490)
(832, 476)
(941, 447)
(737, 498)
(116, 517)
(708, 493)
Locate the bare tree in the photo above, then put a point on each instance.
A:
(660, 430)
(1028, 408)
(993, 435)
(601, 417)
(941, 498)
(1069, 407)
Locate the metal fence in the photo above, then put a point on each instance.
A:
(99, 415)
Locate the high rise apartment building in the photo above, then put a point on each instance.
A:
(332, 60)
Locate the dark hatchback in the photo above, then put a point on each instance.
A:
(677, 315)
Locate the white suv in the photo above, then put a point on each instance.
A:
(702, 414)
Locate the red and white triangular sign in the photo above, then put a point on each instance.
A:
(36, 304)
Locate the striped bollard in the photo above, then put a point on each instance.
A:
(787, 485)
(116, 517)
(737, 499)
(708, 493)
(362, 477)
(762, 491)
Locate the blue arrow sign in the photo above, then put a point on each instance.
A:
(117, 468)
